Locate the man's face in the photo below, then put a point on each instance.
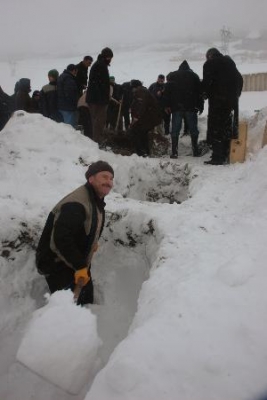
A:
(102, 182)
(87, 63)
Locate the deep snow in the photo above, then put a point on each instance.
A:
(180, 288)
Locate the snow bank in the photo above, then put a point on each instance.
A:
(61, 343)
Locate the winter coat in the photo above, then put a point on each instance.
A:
(67, 92)
(222, 82)
(81, 77)
(23, 100)
(70, 231)
(145, 108)
(183, 90)
(5, 108)
(48, 102)
(99, 85)
(155, 89)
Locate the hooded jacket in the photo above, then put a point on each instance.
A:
(222, 82)
(183, 90)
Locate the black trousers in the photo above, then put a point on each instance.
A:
(63, 278)
(220, 131)
(84, 119)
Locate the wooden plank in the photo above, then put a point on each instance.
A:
(264, 139)
(238, 146)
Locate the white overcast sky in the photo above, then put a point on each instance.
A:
(64, 27)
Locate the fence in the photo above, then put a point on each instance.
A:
(255, 82)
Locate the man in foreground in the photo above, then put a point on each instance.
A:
(71, 234)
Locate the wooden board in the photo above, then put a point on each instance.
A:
(238, 146)
(264, 139)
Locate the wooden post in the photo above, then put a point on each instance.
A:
(264, 139)
(238, 146)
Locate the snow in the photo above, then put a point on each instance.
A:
(179, 277)
(52, 340)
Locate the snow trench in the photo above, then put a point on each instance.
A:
(122, 264)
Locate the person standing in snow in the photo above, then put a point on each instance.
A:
(67, 95)
(182, 98)
(23, 100)
(157, 89)
(222, 86)
(98, 93)
(48, 98)
(146, 114)
(82, 73)
(71, 233)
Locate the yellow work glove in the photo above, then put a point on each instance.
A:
(82, 277)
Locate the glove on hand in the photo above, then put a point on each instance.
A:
(82, 277)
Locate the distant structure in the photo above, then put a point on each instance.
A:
(226, 36)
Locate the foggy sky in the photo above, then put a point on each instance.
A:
(63, 27)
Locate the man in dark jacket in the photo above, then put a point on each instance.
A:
(71, 234)
(114, 105)
(222, 85)
(98, 93)
(67, 95)
(157, 89)
(127, 99)
(23, 100)
(146, 114)
(182, 98)
(5, 109)
(82, 73)
(48, 98)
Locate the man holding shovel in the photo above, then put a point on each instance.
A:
(71, 234)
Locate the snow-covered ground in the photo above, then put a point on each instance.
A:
(180, 288)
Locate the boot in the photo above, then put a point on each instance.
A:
(174, 147)
(194, 141)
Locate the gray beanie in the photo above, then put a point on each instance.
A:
(98, 166)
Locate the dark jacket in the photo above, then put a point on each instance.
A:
(183, 90)
(156, 89)
(81, 77)
(5, 108)
(67, 92)
(23, 100)
(48, 102)
(99, 86)
(145, 107)
(70, 231)
(222, 82)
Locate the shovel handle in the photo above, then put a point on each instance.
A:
(77, 288)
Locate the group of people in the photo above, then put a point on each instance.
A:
(73, 228)
(98, 102)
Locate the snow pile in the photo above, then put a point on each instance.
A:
(196, 330)
(61, 343)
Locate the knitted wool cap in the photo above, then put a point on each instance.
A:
(98, 166)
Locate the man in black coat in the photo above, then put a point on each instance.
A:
(71, 234)
(23, 100)
(98, 93)
(182, 98)
(82, 73)
(5, 109)
(222, 85)
(157, 89)
(67, 95)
